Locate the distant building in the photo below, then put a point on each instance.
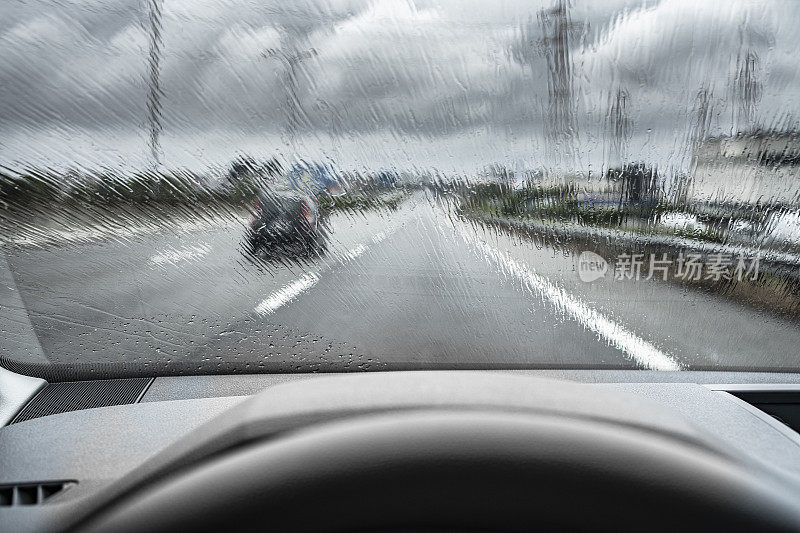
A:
(757, 167)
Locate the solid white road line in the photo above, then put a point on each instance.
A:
(643, 352)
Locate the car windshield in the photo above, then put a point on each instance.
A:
(229, 186)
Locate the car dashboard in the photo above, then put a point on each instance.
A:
(70, 452)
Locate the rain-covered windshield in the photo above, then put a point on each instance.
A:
(206, 186)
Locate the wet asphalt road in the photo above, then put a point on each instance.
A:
(407, 288)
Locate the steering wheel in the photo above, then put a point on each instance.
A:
(433, 470)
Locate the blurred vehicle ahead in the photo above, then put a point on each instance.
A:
(285, 221)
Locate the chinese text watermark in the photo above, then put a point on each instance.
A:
(663, 266)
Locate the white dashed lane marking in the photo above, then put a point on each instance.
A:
(38, 237)
(286, 294)
(292, 290)
(178, 255)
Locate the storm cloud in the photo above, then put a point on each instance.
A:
(425, 83)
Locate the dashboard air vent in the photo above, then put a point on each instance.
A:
(67, 396)
(784, 406)
(31, 493)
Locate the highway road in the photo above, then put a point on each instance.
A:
(414, 287)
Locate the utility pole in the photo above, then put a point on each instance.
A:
(746, 86)
(747, 89)
(701, 127)
(620, 126)
(557, 30)
(154, 69)
(292, 106)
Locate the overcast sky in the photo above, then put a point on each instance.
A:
(452, 85)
